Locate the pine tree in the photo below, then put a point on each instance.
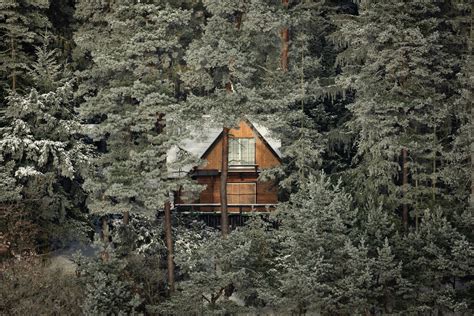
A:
(41, 151)
(303, 106)
(21, 22)
(136, 66)
(400, 66)
(456, 173)
(317, 237)
(134, 114)
(225, 275)
(437, 264)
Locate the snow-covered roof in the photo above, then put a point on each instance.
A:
(204, 138)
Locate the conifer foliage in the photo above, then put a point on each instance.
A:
(135, 54)
(371, 101)
(40, 148)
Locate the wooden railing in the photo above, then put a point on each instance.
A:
(233, 208)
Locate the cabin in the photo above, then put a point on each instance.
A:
(251, 150)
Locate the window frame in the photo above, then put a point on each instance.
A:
(241, 162)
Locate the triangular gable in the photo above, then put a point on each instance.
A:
(272, 144)
(203, 143)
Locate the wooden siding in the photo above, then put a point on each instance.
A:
(238, 180)
(266, 192)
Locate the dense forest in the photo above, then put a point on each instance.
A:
(372, 103)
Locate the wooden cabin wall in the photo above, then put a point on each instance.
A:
(266, 191)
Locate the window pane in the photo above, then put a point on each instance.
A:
(251, 152)
(241, 151)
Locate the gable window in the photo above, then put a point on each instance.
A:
(241, 151)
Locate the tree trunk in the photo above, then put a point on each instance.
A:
(169, 246)
(471, 202)
(105, 239)
(12, 44)
(223, 189)
(285, 37)
(471, 133)
(405, 186)
(126, 218)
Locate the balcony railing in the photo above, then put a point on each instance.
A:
(210, 208)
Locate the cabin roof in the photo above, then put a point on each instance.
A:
(208, 135)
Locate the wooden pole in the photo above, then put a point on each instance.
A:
(105, 238)
(223, 188)
(225, 151)
(433, 175)
(285, 37)
(405, 186)
(169, 246)
(126, 217)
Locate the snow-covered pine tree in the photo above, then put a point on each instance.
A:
(316, 226)
(438, 265)
(213, 268)
(21, 23)
(41, 152)
(398, 62)
(457, 171)
(303, 105)
(130, 88)
(129, 101)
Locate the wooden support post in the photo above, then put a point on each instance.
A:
(126, 217)
(105, 238)
(405, 186)
(169, 246)
(223, 188)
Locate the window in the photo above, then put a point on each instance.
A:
(241, 151)
(241, 193)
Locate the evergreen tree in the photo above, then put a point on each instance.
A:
(42, 154)
(457, 173)
(438, 266)
(137, 52)
(21, 22)
(133, 115)
(225, 275)
(304, 108)
(316, 227)
(400, 65)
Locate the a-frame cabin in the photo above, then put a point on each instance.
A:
(251, 150)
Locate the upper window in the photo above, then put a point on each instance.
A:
(241, 151)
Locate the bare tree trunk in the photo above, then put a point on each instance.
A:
(433, 177)
(105, 238)
(471, 202)
(169, 246)
(405, 186)
(285, 37)
(13, 54)
(126, 218)
(223, 188)
(471, 129)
